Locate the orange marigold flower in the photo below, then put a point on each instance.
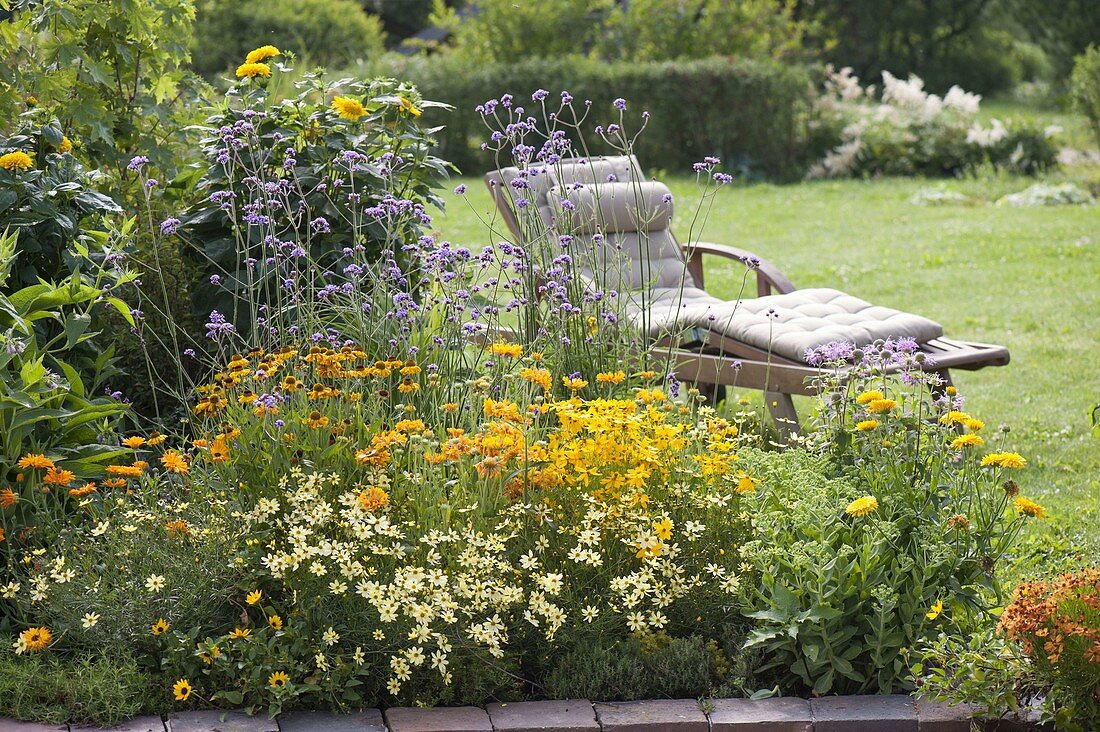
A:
(134, 442)
(57, 476)
(8, 498)
(130, 471)
(40, 462)
(155, 438)
(177, 529)
(373, 498)
(173, 462)
(83, 490)
(115, 482)
(610, 377)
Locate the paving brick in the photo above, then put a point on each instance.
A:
(137, 724)
(369, 720)
(438, 719)
(14, 725)
(865, 713)
(784, 714)
(220, 720)
(934, 716)
(666, 715)
(570, 715)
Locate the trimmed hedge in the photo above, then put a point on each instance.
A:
(752, 114)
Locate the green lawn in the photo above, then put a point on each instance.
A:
(1025, 278)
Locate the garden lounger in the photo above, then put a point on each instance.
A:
(698, 336)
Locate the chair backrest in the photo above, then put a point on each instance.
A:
(620, 222)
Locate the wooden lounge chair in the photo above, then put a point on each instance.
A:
(608, 205)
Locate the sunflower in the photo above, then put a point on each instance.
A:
(253, 70)
(17, 160)
(36, 639)
(348, 108)
(275, 622)
(161, 626)
(263, 53)
(181, 690)
(862, 506)
(279, 678)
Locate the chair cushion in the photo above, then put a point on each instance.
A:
(788, 325)
(613, 207)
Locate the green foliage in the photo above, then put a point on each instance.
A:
(50, 204)
(503, 31)
(381, 151)
(333, 33)
(111, 72)
(402, 18)
(641, 666)
(750, 113)
(48, 398)
(88, 689)
(1084, 87)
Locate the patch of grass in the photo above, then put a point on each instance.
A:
(1028, 278)
(87, 690)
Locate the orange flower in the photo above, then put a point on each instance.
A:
(8, 498)
(134, 442)
(36, 461)
(57, 476)
(173, 462)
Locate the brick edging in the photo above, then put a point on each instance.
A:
(869, 713)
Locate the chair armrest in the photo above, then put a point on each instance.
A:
(768, 276)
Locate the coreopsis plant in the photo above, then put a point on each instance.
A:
(904, 543)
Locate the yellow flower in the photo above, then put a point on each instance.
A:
(275, 622)
(867, 425)
(973, 425)
(869, 396)
(935, 610)
(879, 406)
(450, 407)
(251, 70)
(1029, 508)
(540, 377)
(966, 441)
(263, 53)
(240, 633)
(57, 476)
(279, 678)
(955, 417)
(610, 377)
(17, 160)
(161, 626)
(745, 485)
(253, 597)
(181, 689)
(348, 108)
(862, 506)
(66, 145)
(407, 106)
(316, 420)
(574, 384)
(134, 442)
(1004, 460)
(663, 529)
(511, 350)
(959, 522)
(36, 639)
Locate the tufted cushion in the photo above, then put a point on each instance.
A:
(613, 207)
(787, 325)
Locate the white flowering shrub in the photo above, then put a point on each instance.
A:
(904, 130)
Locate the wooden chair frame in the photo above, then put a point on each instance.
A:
(710, 363)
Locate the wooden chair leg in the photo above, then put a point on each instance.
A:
(781, 408)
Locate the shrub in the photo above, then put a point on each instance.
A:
(49, 204)
(750, 113)
(336, 32)
(912, 132)
(1084, 87)
(111, 73)
(854, 570)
